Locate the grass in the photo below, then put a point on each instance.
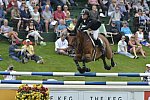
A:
(60, 63)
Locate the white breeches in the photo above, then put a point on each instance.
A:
(95, 34)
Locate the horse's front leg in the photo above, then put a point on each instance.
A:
(78, 66)
(113, 64)
(85, 69)
(105, 64)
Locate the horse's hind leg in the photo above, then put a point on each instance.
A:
(105, 64)
(112, 62)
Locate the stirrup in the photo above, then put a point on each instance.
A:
(96, 46)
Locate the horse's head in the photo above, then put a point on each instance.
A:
(84, 46)
(71, 41)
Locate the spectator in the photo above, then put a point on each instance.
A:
(116, 17)
(31, 4)
(61, 45)
(43, 2)
(62, 28)
(72, 25)
(32, 32)
(15, 17)
(11, 4)
(39, 9)
(112, 7)
(116, 35)
(2, 14)
(122, 48)
(144, 19)
(135, 47)
(26, 16)
(19, 2)
(139, 13)
(4, 2)
(10, 77)
(72, 3)
(103, 7)
(23, 4)
(113, 28)
(140, 37)
(123, 8)
(8, 31)
(47, 3)
(142, 4)
(93, 2)
(68, 2)
(31, 54)
(15, 53)
(37, 1)
(147, 79)
(64, 2)
(37, 20)
(47, 16)
(94, 14)
(66, 13)
(58, 14)
(136, 21)
(126, 30)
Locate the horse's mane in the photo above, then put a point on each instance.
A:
(85, 40)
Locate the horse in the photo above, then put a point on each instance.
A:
(85, 51)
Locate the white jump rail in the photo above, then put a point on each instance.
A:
(87, 74)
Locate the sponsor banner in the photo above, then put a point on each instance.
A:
(96, 95)
(147, 95)
(105, 95)
(64, 95)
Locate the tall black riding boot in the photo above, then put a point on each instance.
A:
(98, 42)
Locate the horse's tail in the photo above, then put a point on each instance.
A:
(109, 53)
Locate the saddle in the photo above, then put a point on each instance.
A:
(89, 33)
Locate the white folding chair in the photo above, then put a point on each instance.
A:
(102, 29)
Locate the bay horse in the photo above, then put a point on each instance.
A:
(85, 51)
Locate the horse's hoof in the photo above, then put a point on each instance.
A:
(113, 64)
(81, 70)
(107, 67)
(87, 69)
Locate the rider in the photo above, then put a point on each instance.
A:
(85, 22)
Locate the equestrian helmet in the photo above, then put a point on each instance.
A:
(85, 12)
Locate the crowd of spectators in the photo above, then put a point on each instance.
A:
(41, 12)
(123, 14)
(33, 17)
(129, 21)
(38, 16)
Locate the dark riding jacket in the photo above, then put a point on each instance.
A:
(88, 23)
